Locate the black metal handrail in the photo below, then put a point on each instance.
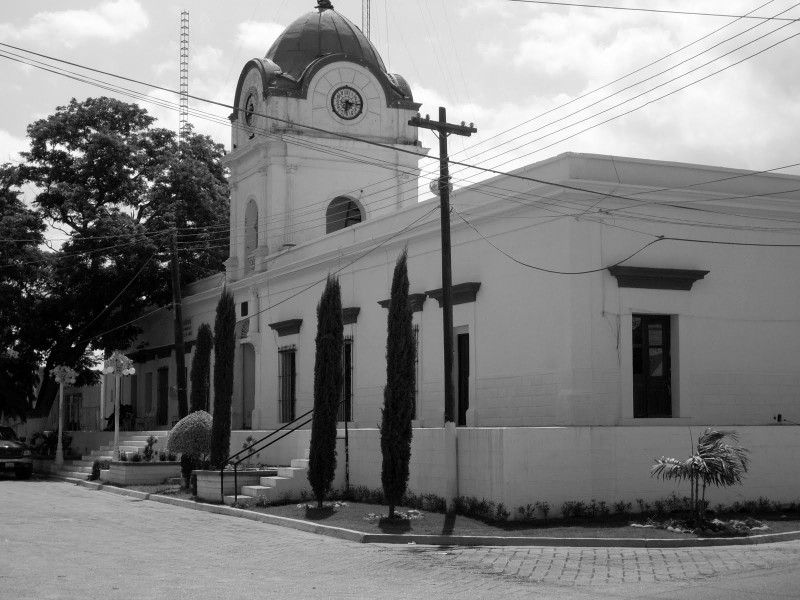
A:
(252, 450)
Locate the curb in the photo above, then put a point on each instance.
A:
(439, 540)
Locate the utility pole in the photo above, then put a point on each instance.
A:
(444, 129)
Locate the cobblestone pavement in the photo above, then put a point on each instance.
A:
(603, 566)
(58, 540)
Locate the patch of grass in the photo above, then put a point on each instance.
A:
(373, 518)
(162, 489)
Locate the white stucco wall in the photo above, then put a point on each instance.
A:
(549, 349)
(522, 465)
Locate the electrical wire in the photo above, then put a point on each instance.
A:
(651, 10)
(553, 122)
(345, 136)
(659, 238)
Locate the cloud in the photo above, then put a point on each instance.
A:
(258, 37)
(206, 58)
(112, 21)
(11, 146)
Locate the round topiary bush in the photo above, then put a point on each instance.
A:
(191, 435)
(191, 438)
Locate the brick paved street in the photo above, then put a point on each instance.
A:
(58, 540)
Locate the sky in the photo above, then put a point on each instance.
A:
(535, 79)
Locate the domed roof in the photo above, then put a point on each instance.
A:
(319, 33)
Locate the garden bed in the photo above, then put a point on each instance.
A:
(130, 473)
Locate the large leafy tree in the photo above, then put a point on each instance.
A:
(22, 268)
(116, 186)
(328, 380)
(398, 395)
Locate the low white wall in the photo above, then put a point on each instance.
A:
(428, 471)
(521, 465)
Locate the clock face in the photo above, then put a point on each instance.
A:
(346, 103)
(249, 109)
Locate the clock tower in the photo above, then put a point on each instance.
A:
(320, 140)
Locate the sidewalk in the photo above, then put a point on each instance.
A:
(436, 540)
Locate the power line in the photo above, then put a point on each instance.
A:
(651, 77)
(398, 149)
(660, 238)
(610, 83)
(653, 10)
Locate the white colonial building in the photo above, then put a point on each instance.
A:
(607, 309)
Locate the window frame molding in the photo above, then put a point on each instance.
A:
(653, 278)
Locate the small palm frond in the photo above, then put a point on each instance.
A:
(723, 464)
(671, 468)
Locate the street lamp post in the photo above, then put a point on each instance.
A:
(118, 365)
(63, 375)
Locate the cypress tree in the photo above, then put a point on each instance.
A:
(398, 395)
(201, 369)
(224, 345)
(328, 380)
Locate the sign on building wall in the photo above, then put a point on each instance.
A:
(187, 328)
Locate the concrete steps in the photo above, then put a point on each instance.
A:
(73, 469)
(287, 484)
(129, 442)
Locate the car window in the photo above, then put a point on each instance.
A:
(6, 433)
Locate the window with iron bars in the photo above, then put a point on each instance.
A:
(346, 406)
(415, 391)
(287, 378)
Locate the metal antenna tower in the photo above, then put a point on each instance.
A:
(184, 101)
(365, 17)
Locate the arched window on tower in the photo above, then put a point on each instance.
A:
(342, 212)
(250, 234)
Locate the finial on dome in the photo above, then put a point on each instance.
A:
(324, 5)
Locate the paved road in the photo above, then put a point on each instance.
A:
(59, 540)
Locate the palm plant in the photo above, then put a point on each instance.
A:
(712, 463)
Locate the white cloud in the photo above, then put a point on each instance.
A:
(111, 21)
(258, 37)
(205, 58)
(11, 146)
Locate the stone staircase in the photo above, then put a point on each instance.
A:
(130, 442)
(288, 483)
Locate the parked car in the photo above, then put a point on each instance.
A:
(15, 454)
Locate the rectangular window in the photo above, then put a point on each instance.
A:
(72, 417)
(135, 392)
(415, 392)
(652, 372)
(162, 397)
(287, 381)
(346, 405)
(148, 393)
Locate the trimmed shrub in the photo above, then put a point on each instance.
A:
(191, 437)
(327, 390)
(398, 395)
(224, 347)
(201, 369)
